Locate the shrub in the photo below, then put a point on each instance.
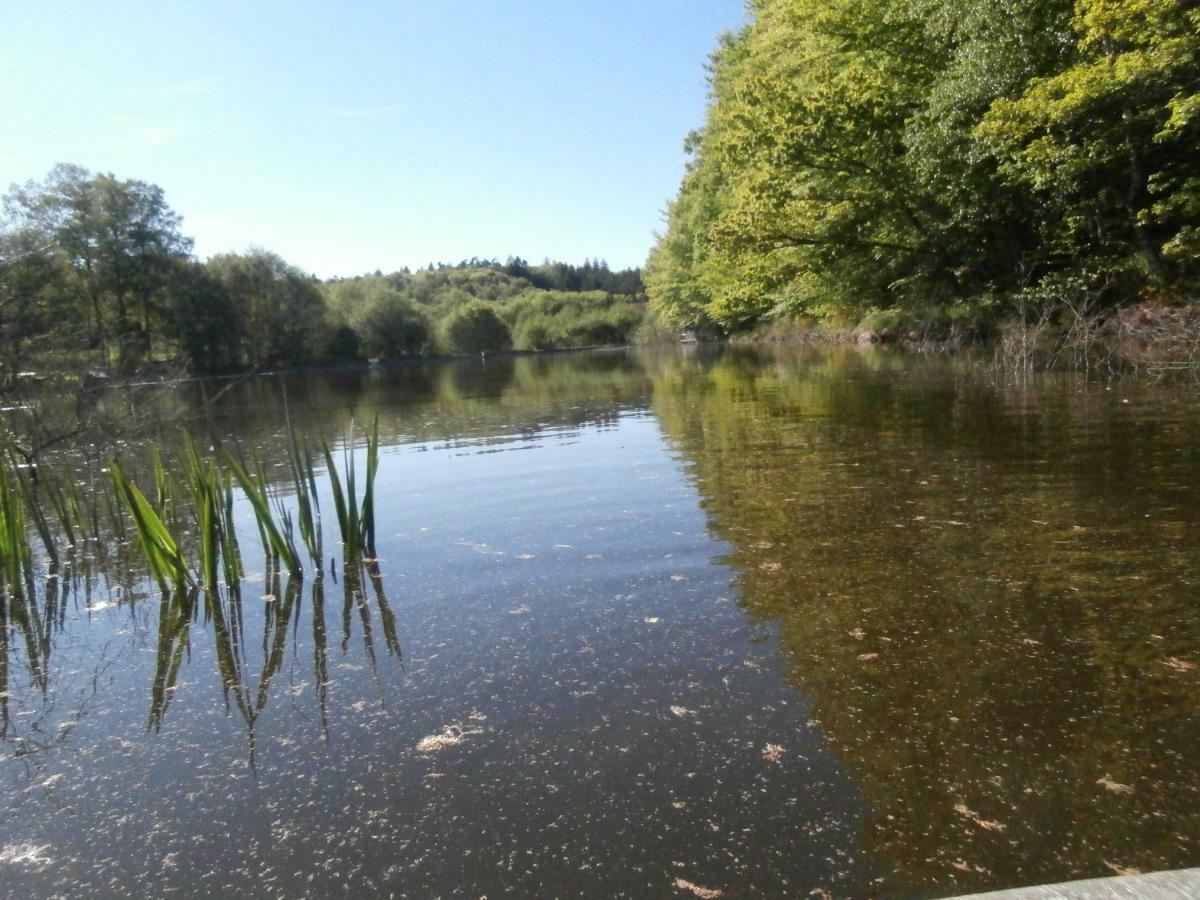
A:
(474, 327)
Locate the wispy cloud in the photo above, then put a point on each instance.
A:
(192, 87)
(366, 112)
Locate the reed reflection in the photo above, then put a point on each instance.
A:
(223, 614)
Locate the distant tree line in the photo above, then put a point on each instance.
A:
(96, 272)
(964, 156)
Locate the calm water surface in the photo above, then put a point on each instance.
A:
(840, 621)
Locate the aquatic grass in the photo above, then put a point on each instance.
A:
(14, 543)
(33, 512)
(196, 490)
(167, 563)
(308, 504)
(368, 503)
(345, 502)
(356, 522)
(64, 501)
(64, 515)
(207, 486)
(276, 539)
(231, 554)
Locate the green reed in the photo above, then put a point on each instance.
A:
(167, 563)
(277, 535)
(211, 493)
(183, 521)
(14, 532)
(308, 504)
(356, 521)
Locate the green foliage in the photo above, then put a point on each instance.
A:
(34, 302)
(166, 561)
(862, 155)
(115, 245)
(356, 520)
(277, 531)
(389, 322)
(14, 540)
(544, 320)
(94, 271)
(280, 310)
(205, 321)
(1110, 138)
(474, 327)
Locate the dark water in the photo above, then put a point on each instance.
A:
(859, 623)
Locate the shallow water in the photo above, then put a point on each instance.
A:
(855, 622)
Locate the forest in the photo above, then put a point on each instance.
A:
(97, 274)
(953, 164)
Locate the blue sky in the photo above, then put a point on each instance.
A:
(369, 134)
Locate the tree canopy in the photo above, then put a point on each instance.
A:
(96, 272)
(862, 154)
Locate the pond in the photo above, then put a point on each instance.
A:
(770, 623)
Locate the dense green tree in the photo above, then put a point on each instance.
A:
(394, 326)
(205, 320)
(35, 306)
(281, 312)
(542, 320)
(95, 270)
(1110, 139)
(121, 241)
(861, 154)
(475, 327)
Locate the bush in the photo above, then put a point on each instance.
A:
(474, 327)
(394, 326)
(654, 329)
(555, 319)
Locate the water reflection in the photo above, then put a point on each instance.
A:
(222, 608)
(987, 588)
(961, 610)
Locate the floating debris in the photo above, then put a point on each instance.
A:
(25, 854)
(867, 657)
(682, 711)
(519, 610)
(702, 892)
(1180, 665)
(651, 620)
(1122, 870)
(963, 810)
(679, 578)
(770, 566)
(773, 752)
(451, 736)
(1115, 786)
